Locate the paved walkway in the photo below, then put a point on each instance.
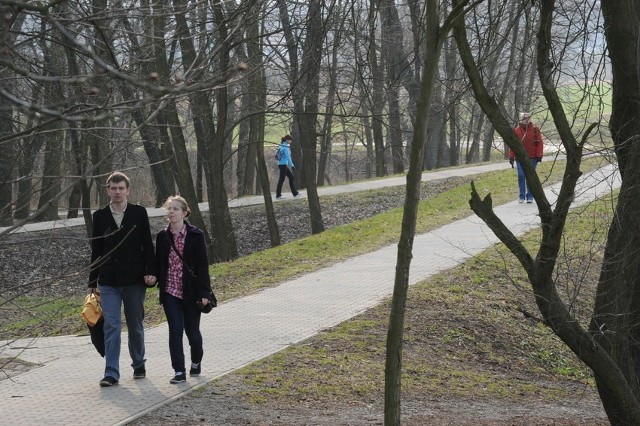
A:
(64, 388)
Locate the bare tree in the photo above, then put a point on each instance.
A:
(608, 347)
(435, 36)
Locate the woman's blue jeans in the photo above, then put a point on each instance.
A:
(182, 317)
(111, 299)
(523, 186)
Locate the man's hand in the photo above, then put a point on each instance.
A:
(539, 159)
(511, 160)
(150, 280)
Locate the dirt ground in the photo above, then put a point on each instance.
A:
(222, 404)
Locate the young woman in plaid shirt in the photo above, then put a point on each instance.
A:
(182, 269)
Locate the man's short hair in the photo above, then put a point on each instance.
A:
(117, 177)
(524, 115)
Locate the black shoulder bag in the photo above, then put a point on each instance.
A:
(213, 302)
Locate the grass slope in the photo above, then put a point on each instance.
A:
(471, 332)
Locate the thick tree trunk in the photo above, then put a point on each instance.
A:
(224, 240)
(617, 309)
(310, 84)
(305, 93)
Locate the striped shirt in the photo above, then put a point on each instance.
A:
(174, 275)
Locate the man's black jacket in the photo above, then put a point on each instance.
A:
(122, 255)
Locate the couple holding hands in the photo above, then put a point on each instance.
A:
(123, 265)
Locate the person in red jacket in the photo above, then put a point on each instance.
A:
(531, 138)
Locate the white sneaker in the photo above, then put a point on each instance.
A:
(280, 197)
(298, 195)
(521, 200)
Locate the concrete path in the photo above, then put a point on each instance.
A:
(64, 388)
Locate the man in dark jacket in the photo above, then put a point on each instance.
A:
(122, 266)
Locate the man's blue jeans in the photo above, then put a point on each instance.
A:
(112, 298)
(522, 182)
(182, 317)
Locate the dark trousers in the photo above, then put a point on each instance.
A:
(285, 172)
(182, 317)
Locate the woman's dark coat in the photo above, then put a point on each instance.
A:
(195, 257)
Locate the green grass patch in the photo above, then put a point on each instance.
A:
(464, 336)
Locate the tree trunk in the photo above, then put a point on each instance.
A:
(393, 364)
(150, 135)
(616, 310)
(30, 148)
(392, 48)
(305, 93)
(473, 154)
(310, 68)
(327, 127)
(377, 96)
(54, 143)
(257, 81)
(7, 163)
(224, 240)
(9, 157)
(247, 152)
(183, 170)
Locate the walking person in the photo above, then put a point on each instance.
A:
(122, 266)
(183, 278)
(285, 164)
(531, 139)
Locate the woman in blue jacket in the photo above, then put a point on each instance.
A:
(284, 162)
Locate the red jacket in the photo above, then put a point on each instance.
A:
(531, 139)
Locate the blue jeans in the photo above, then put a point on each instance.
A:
(522, 182)
(182, 317)
(111, 299)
